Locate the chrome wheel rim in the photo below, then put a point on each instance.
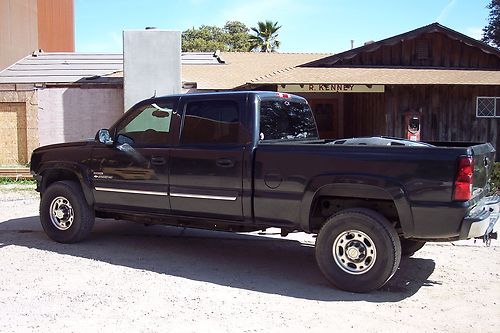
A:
(61, 213)
(354, 252)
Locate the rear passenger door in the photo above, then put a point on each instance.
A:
(206, 167)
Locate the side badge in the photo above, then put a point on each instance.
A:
(101, 175)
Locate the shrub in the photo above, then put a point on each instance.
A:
(495, 178)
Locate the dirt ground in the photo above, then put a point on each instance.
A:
(134, 278)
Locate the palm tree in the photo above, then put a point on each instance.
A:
(266, 38)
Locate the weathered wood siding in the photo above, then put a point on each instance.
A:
(448, 113)
(428, 50)
(364, 115)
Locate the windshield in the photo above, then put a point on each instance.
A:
(286, 120)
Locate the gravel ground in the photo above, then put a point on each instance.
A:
(135, 278)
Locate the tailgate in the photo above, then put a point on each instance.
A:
(484, 158)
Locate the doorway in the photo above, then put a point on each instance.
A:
(329, 118)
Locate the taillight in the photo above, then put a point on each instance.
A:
(463, 181)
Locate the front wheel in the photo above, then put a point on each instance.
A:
(358, 250)
(64, 212)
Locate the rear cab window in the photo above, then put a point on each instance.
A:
(286, 119)
(209, 122)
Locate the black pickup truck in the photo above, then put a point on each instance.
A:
(247, 161)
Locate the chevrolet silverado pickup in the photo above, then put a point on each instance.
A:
(247, 161)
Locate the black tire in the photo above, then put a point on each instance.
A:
(366, 232)
(410, 246)
(73, 220)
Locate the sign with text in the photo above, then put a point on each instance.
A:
(332, 88)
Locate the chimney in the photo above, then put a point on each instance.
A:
(151, 64)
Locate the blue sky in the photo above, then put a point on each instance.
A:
(307, 26)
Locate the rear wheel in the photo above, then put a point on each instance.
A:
(358, 250)
(64, 212)
(410, 246)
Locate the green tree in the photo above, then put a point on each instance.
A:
(491, 33)
(266, 37)
(232, 37)
(238, 37)
(204, 39)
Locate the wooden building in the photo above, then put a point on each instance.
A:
(448, 81)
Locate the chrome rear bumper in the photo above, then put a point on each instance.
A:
(481, 221)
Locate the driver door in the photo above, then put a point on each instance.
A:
(132, 174)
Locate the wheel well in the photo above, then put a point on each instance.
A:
(52, 176)
(325, 206)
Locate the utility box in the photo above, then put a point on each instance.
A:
(151, 64)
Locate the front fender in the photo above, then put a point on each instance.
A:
(54, 171)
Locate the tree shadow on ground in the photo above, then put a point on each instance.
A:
(269, 265)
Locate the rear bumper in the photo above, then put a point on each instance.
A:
(482, 219)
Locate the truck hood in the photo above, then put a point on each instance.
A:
(62, 153)
(64, 145)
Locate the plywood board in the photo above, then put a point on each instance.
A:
(13, 141)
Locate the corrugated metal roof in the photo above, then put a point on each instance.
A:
(74, 67)
(201, 58)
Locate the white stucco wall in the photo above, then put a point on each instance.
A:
(71, 114)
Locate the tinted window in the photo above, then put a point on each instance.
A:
(148, 125)
(285, 120)
(210, 122)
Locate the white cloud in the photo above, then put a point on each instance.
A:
(474, 32)
(197, 2)
(117, 38)
(443, 15)
(109, 42)
(250, 12)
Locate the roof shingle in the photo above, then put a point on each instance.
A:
(241, 68)
(394, 76)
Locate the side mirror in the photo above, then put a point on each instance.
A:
(104, 137)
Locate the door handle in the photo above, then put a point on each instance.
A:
(158, 160)
(225, 163)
